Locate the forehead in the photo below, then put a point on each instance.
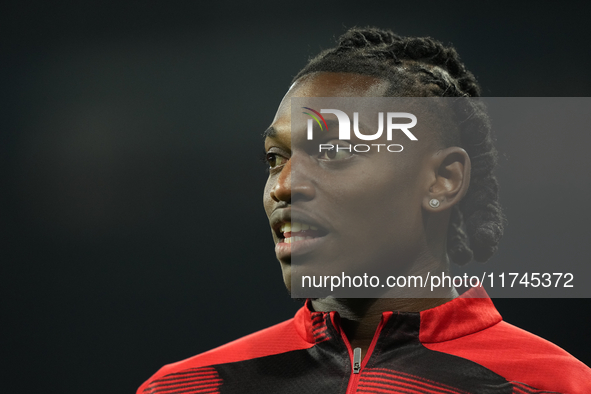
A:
(324, 84)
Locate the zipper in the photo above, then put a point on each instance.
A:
(356, 360)
(357, 364)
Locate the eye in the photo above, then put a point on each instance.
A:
(341, 150)
(275, 160)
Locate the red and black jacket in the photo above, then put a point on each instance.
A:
(462, 346)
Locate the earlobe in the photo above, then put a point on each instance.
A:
(451, 170)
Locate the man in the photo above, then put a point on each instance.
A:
(436, 202)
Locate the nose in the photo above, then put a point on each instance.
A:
(293, 184)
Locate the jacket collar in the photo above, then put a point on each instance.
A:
(471, 312)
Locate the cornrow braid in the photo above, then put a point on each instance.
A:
(424, 67)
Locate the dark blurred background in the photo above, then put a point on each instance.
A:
(133, 233)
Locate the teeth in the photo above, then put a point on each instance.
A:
(295, 227)
(285, 228)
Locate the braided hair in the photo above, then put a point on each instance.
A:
(424, 67)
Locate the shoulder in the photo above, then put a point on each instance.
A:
(521, 356)
(280, 338)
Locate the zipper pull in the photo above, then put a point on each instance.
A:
(356, 360)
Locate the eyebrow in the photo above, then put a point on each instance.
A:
(270, 132)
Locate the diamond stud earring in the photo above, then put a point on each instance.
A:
(434, 203)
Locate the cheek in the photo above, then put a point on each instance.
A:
(386, 203)
(267, 200)
(400, 222)
(389, 224)
(393, 208)
(401, 201)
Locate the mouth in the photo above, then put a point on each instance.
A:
(296, 235)
(292, 232)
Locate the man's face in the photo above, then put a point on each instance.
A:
(343, 211)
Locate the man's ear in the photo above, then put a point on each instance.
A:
(450, 179)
